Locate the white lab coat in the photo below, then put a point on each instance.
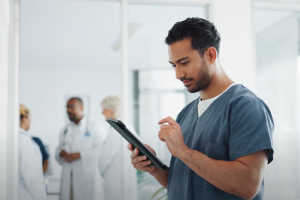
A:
(87, 181)
(31, 179)
(111, 164)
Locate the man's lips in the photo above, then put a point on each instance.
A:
(186, 82)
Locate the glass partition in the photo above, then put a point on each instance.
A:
(156, 93)
(67, 49)
(278, 67)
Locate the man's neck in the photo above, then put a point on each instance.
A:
(219, 83)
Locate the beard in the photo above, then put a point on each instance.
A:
(72, 117)
(203, 80)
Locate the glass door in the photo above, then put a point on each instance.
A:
(278, 67)
(156, 93)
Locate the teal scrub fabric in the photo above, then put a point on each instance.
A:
(236, 124)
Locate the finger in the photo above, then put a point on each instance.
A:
(142, 164)
(168, 120)
(164, 133)
(138, 159)
(134, 153)
(164, 126)
(129, 147)
(150, 149)
(148, 168)
(161, 136)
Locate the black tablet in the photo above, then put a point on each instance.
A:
(136, 143)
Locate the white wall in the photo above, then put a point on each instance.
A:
(4, 12)
(8, 99)
(80, 34)
(234, 21)
(3, 97)
(44, 90)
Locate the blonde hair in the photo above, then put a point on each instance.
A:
(112, 102)
(24, 111)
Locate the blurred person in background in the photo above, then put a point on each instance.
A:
(110, 161)
(45, 155)
(80, 143)
(31, 179)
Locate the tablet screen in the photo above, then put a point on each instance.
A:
(120, 127)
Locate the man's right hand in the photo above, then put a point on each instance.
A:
(140, 162)
(63, 154)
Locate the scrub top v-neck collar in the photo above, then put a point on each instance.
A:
(202, 106)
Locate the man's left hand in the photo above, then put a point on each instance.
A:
(171, 134)
(72, 157)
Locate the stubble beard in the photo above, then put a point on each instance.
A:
(203, 81)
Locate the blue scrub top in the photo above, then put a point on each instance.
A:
(45, 155)
(236, 124)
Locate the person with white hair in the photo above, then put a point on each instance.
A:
(111, 106)
(110, 162)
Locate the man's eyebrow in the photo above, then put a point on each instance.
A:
(181, 59)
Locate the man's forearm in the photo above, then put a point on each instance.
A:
(161, 176)
(45, 166)
(230, 176)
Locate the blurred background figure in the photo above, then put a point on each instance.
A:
(45, 155)
(110, 161)
(80, 143)
(31, 180)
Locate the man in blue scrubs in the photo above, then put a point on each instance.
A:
(221, 142)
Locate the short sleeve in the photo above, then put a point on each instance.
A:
(251, 128)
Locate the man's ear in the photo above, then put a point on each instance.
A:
(212, 55)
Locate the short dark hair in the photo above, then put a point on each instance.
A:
(77, 99)
(202, 33)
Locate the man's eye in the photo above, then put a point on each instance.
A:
(174, 66)
(185, 63)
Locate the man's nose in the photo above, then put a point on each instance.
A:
(179, 73)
